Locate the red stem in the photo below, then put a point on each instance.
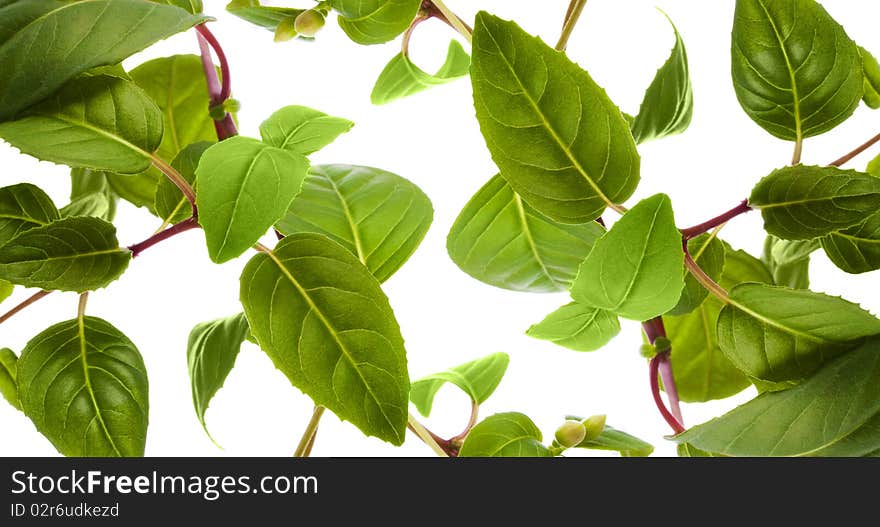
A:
(226, 86)
(447, 446)
(653, 370)
(174, 230)
(706, 226)
(218, 92)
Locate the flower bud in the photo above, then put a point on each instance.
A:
(308, 23)
(286, 30)
(570, 434)
(593, 427)
(647, 351)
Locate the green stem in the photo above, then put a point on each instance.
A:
(575, 8)
(426, 436)
(308, 437)
(175, 178)
(798, 150)
(453, 20)
(704, 279)
(81, 308)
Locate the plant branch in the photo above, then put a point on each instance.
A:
(861, 148)
(704, 279)
(177, 179)
(475, 412)
(308, 438)
(440, 446)
(654, 328)
(721, 219)
(219, 91)
(653, 371)
(575, 8)
(407, 36)
(453, 20)
(174, 230)
(20, 307)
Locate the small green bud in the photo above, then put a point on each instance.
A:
(662, 344)
(232, 105)
(308, 23)
(647, 351)
(286, 29)
(218, 113)
(570, 434)
(593, 427)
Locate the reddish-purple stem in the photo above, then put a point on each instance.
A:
(661, 364)
(706, 226)
(174, 230)
(218, 90)
(653, 371)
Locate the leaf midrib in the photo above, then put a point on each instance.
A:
(352, 225)
(561, 144)
(81, 335)
(333, 333)
(527, 232)
(116, 250)
(791, 73)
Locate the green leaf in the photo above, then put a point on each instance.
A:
(375, 21)
(577, 327)
(668, 104)
(326, 324)
(777, 334)
(507, 434)
(478, 379)
(72, 254)
(553, 132)
(635, 269)
(85, 183)
(38, 58)
(402, 78)
(856, 249)
(171, 205)
(789, 261)
(245, 186)
(619, 441)
(708, 251)
(740, 266)
(190, 6)
(834, 413)
(702, 371)
(267, 17)
(8, 385)
(84, 385)
(178, 87)
(97, 205)
(211, 352)
(378, 216)
(501, 240)
(137, 189)
(803, 202)
(6, 290)
(871, 69)
(302, 130)
(688, 450)
(795, 71)
(101, 122)
(23, 207)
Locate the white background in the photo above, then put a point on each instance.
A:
(446, 317)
